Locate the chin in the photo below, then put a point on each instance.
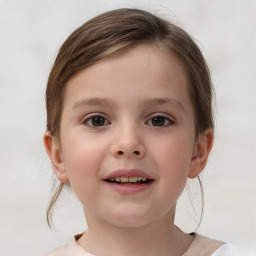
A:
(130, 219)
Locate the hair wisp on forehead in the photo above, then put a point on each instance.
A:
(119, 29)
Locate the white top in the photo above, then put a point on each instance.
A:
(229, 250)
(201, 246)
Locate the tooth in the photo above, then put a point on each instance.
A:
(132, 179)
(118, 179)
(139, 178)
(144, 179)
(124, 179)
(112, 179)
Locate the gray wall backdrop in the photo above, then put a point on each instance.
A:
(31, 33)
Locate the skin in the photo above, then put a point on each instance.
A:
(127, 90)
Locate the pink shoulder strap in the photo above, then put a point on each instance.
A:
(203, 246)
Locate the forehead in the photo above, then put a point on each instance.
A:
(138, 71)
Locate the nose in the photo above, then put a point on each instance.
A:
(128, 144)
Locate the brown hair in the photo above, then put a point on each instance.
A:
(114, 31)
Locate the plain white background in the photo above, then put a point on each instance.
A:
(31, 33)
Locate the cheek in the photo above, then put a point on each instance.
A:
(173, 158)
(82, 162)
(174, 154)
(81, 153)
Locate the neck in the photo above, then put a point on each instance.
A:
(160, 237)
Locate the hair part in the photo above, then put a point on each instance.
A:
(118, 30)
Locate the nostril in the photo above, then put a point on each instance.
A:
(136, 153)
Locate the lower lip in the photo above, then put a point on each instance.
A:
(129, 189)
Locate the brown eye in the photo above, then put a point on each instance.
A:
(160, 121)
(96, 121)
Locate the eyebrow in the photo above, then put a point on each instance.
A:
(164, 101)
(147, 102)
(94, 102)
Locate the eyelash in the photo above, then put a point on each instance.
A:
(88, 121)
(90, 117)
(169, 120)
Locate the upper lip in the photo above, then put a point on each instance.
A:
(127, 173)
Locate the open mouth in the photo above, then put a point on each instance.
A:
(129, 180)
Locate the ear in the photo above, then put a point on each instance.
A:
(202, 149)
(53, 149)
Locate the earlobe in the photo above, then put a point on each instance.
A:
(54, 152)
(201, 152)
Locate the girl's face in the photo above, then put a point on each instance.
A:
(128, 118)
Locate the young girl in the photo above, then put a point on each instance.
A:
(129, 120)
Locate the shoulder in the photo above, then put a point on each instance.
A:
(71, 249)
(203, 246)
(229, 250)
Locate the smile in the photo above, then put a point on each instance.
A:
(123, 180)
(129, 181)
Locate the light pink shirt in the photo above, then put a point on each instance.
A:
(201, 246)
